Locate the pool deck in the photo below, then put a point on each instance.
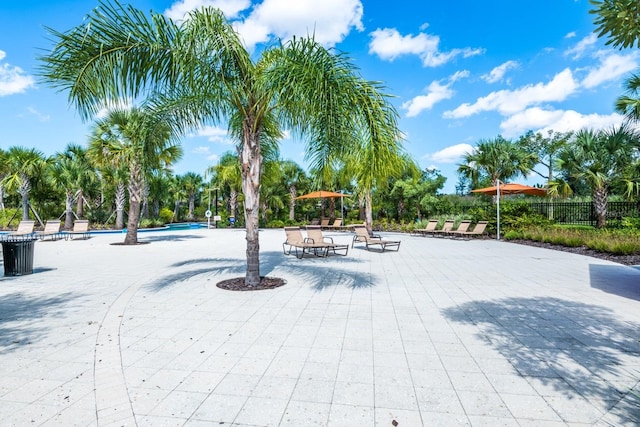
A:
(443, 332)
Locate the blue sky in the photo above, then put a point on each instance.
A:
(459, 72)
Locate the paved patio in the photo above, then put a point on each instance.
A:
(443, 332)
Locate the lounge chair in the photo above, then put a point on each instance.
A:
(314, 235)
(302, 246)
(25, 227)
(324, 222)
(315, 221)
(337, 225)
(80, 229)
(446, 227)
(51, 229)
(462, 228)
(431, 226)
(363, 236)
(478, 230)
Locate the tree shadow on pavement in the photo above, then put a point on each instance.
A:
(21, 318)
(619, 280)
(577, 349)
(314, 272)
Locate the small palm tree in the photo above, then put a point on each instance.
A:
(600, 159)
(135, 140)
(23, 165)
(629, 103)
(192, 183)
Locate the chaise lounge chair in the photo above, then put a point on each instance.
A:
(363, 236)
(80, 229)
(314, 235)
(446, 227)
(462, 228)
(337, 225)
(431, 226)
(324, 222)
(478, 230)
(51, 229)
(302, 246)
(25, 227)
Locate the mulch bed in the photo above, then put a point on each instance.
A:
(583, 250)
(237, 284)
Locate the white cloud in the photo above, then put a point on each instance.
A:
(214, 134)
(230, 8)
(329, 21)
(497, 74)
(450, 154)
(213, 158)
(612, 66)
(389, 44)
(201, 150)
(541, 120)
(570, 35)
(436, 92)
(581, 47)
(13, 79)
(508, 102)
(42, 117)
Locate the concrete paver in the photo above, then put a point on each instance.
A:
(443, 332)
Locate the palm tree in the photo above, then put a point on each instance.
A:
(292, 175)
(600, 159)
(629, 103)
(201, 71)
(496, 159)
(23, 165)
(619, 20)
(139, 142)
(192, 184)
(227, 173)
(178, 194)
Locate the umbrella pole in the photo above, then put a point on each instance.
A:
(498, 209)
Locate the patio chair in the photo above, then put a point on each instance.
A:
(446, 227)
(25, 227)
(325, 222)
(302, 246)
(51, 229)
(478, 230)
(431, 226)
(363, 236)
(315, 221)
(462, 228)
(314, 235)
(337, 225)
(80, 229)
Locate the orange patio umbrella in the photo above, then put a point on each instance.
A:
(502, 189)
(321, 194)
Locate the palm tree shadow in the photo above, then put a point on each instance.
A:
(615, 279)
(576, 348)
(314, 272)
(17, 311)
(168, 238)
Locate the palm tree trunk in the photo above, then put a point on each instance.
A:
(292, 203)
(600, 204)
(68, 219)
(192, 206)
(120, 203)
(368, 210)
(233, 202)
(251, 165)
(25, 188)
(135, 197)
(80, 204)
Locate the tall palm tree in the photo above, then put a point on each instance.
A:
(600, 159)
(4, 170)
(228, 175)
(178, 194)
(292, 175)
(192, 183)
(23, 166)
(135, 140)
(202, 72)
(496, 159)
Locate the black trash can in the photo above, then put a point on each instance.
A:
(17, 254)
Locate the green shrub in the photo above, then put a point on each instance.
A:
(166, 215)
(276, 223)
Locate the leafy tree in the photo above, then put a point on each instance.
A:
(600, 158)
(137, 141)
(23, 166)
(497, 159)
(629, 103)
(618, 20)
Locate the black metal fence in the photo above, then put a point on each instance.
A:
(583, 213)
